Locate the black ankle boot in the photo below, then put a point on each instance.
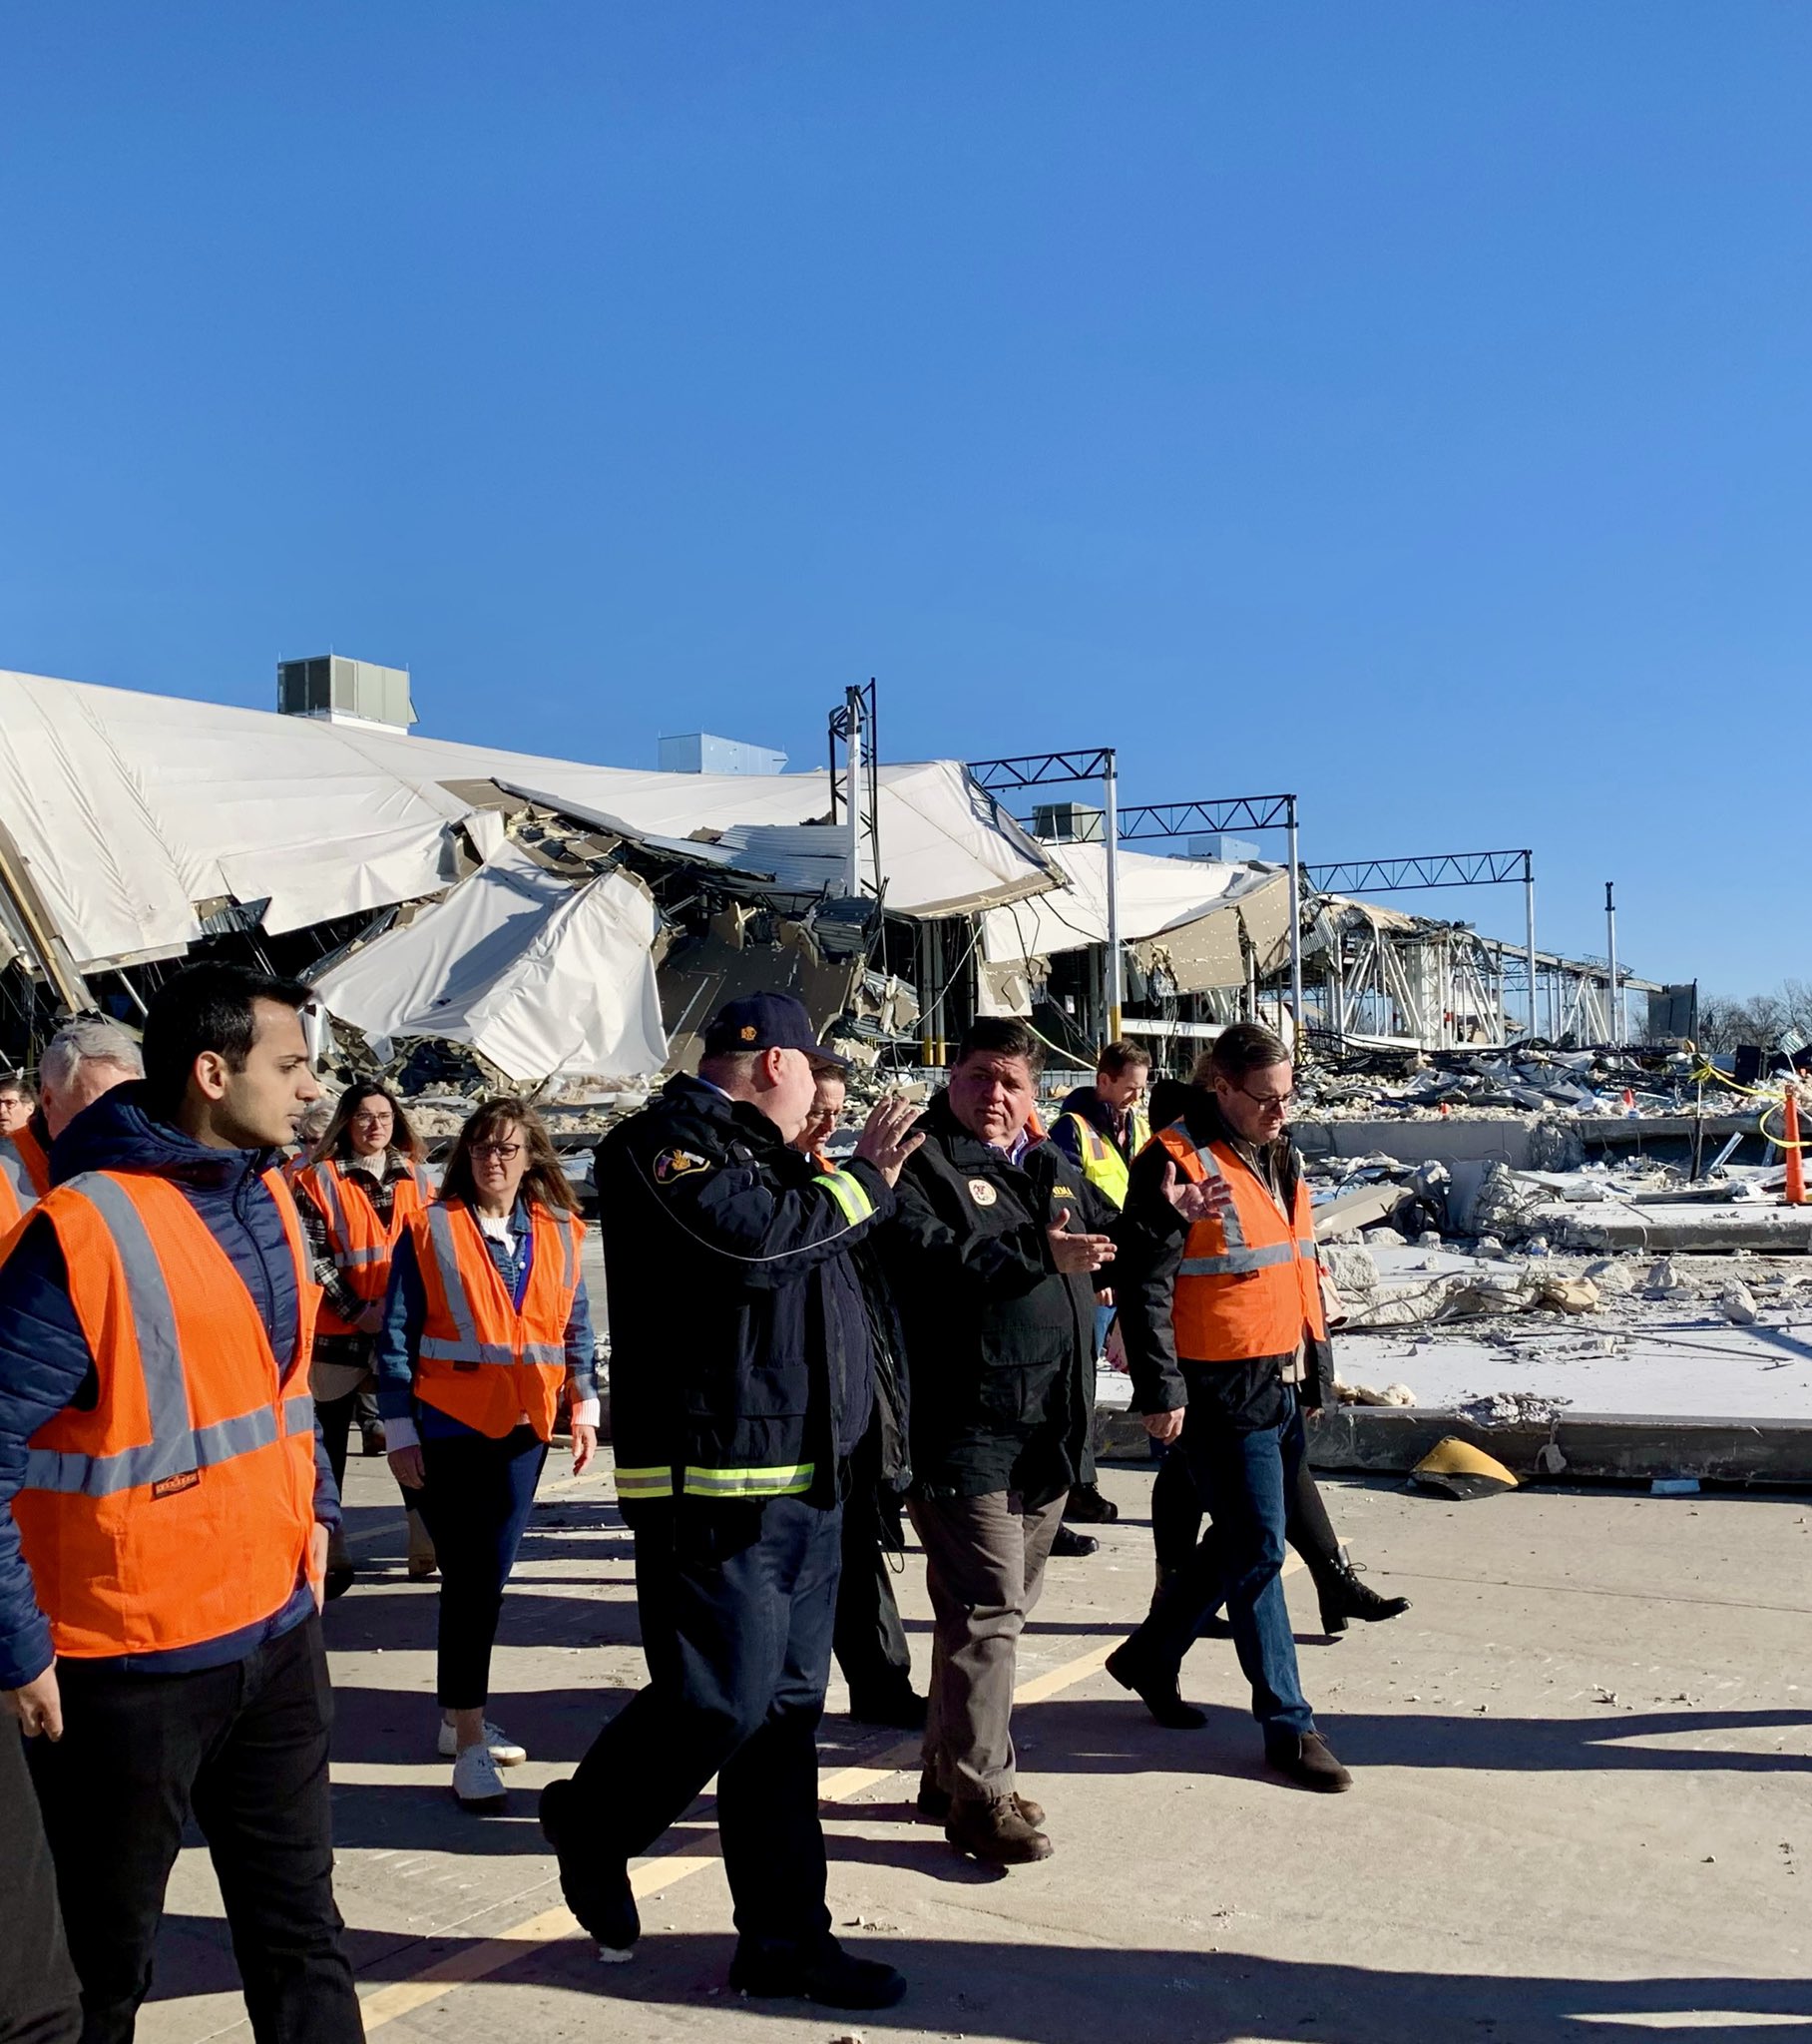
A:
(1344, 1596)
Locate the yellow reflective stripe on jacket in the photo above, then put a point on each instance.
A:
(785, 1481)
(847, 1191)
(640, 1483)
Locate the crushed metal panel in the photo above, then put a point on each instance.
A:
(746, 950)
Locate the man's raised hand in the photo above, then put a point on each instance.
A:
(885, 1140)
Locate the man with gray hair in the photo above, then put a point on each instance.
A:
(86, 1058)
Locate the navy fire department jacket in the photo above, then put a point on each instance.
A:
(740, 1358)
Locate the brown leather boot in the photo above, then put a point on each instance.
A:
(995, 1830)
(934, 1804)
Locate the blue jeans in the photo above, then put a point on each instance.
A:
(1246, 1481)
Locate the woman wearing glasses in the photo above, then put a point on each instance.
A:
(486, 1323)
(357, 1188)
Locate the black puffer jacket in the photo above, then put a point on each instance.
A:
(999, 1342)
(742, 1348)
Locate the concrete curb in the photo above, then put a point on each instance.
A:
(1598, 1446)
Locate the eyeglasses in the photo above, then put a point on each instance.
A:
(1278, 1099)
(503, 1152)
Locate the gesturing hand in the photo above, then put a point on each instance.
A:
(884, 1141)
(1193, 1202)
(1077, 1252)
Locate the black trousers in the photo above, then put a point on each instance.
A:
(475, 1504)
(869, 1640)
(244, 1749)
(39, 2000)
(738, 1602)
(1176, 1516)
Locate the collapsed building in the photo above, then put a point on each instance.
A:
(1498, 1207)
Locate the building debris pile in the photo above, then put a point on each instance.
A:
(1458, 1277)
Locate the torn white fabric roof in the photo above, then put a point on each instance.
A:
(131, 808)
(1155, 895)
(947, 848)
(539, 975)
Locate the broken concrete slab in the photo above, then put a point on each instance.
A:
(1705, 1231)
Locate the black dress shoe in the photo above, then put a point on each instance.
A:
(1088, 1507)
(1156, 1689)
(1309, 1761)
(1344, 1596)
(822, 1972)
(903, 1709)
(1069, 1546)
(597, 1889)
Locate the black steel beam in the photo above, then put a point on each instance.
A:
(1429, 869)
(1041, 769)
(1184, 819)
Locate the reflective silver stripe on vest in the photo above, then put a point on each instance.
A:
(12, 1169)
(177, 1447)
(453, 1288)
(548, 1354)
(1231, 1227)
(344, 1254)
(1236, 1261)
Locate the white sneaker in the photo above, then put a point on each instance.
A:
(504, 1749)
(476, 1782)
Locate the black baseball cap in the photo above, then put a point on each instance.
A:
(767, 1022)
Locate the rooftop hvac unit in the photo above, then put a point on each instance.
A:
(1068, 824)
(342, 691)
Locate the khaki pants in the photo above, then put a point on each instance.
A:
(983, 1566)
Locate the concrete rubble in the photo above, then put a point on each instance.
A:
(1617, 1287)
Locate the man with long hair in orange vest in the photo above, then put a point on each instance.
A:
(1220, 1304)
(169, 1508)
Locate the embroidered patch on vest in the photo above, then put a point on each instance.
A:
(168, 1486)
(981, 1193)
(675, 1164)
(1063, 1193)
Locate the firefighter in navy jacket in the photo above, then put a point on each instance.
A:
(740, 1382)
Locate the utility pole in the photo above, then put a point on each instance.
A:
(1613, 1010)
(1109, 781)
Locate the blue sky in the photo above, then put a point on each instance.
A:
(1407, 405)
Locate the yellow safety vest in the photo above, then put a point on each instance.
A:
(1102, 1165)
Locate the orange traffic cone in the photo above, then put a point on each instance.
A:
(1795, 1194)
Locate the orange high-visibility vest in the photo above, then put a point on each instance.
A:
(1248, 1284)
(480, 1362)
(181, 1507)
(24, 1175)
(362, 1245)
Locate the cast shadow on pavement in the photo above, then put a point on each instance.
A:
(1054, 1993)
(1103, 1736)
